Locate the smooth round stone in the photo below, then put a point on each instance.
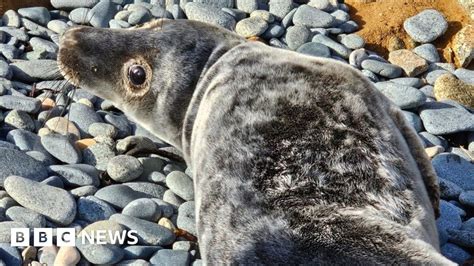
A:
(338, 48)
(235, 13)
(71, 4)
(58, 26)
(62, 147)
(118, 24)
(54, 203)
(149, 233)
(83, 191)
(83, 116)
(139, 17)
(47, 254)
(150, 165)
(383, 69)
(428, 90)
(432, 140)
(428, 52)
(280, 8)
(312, 17)
(297, 36)
(249, 27)
(449, 190)
(440, 118)
(178, 13)
(340, 17)
(63, 126)
(102, 129)
(37, 14)
(124, 168)
(14, 162)
(20, 119)
(102, 13)
(77, 174)
(465, 75)
(247, 6)
(54, 181)
(205, 13)
(264, 15)
(80, 15)
(357, 57)
(218, 3)
(273, 31)
(288, 19)
(414, 120)
(403, 96)
(462, 238)
(353, 41)
(92, 209)
(40, 44)
(109, 226)
(100, 253)
(186, 217)
(448, 87)
(180, 184)
(468, 225)
(10, 52)
(454, 168)
(21, 103)
(10, 255)
(171, 257)
(30, 218)
(5, 71)
(183, 245)
(11, 19)
(321, 4)
(145, 209)
(127, 195)
(140, 252)
(121, 123)
(467, 198)
(167, 210)
(45, 158)
(411, 82)
(98, 155)
(149, 189)
(67, 256)
(34, 70)
(432, 76)
(314, 49)
(19, 34)
(371, 75)
(455, 253)
(426, 26)
(349, 27)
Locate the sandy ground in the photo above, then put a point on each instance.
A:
(382, 22)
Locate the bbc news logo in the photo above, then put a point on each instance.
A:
(66, 237)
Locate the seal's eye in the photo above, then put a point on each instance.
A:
(137, 75)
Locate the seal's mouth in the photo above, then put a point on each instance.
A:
(70, 75)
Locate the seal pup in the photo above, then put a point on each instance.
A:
(296, 159)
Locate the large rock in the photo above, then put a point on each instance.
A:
(448, 87)
(411, 63)
(463, 45)
(54, 203)
(426, 26)
(14, 162)
(440, 118)
(205, 13)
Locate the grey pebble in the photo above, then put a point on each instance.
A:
(449, 190)
(408, 81)
(349, 27)
(140, 252)
(54, 203)
(280, 8)
(172, 198)
(431, 140)
(80, 15)
(62, 147)
(127, 195)
(21, 103)
(181, 185)
(19, 34)
(30, 218)
(204, 13)
(83, 116)
(40, 44)
(428, 52)
(14, 162)
(5, 230)
(102, 13)
(139, 17)
(426, 26)
(149, 233)
(428, 90)
(441, 118)
(149, 189)
(121, 123)
(77, 174)
(413, 120)
(186, 217)
(384, 69)
(83, 191)
(432, 76)
(71, 4)
(403, 96)
(274, 31)
(314, 49)
(237, 14)
(465, 75)
(37, 14)
(467, 198)
(124, 168)
(249, 27)
(247, 6)
(93, 209)
(34, 70)
(341, 17)
(217, 3)
(10, 255)
(312, 17)
(54, 181)
(58, 26)
(102, 129)
(353, 41)
(21, 120)
(455, 253)
(357, 57)
(26, 140)
(168, 257)
(10, 52)
(297, 36)
(371, 75)
(5, 71)
(104, 254)
(338, 48)
(145, 209)
(11, 19)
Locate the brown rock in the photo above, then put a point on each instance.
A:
(448, 87)
(411, 63)
(463, 46)
(62, 126)
(47, 104)
(85, 143)
(67, 256)
(29, 254)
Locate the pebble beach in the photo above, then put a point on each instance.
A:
(66, 156)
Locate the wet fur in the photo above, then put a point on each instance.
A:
(296, 160)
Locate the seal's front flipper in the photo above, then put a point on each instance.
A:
(418, 152)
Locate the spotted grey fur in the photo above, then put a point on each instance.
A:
(296, 159)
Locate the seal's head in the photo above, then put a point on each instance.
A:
(149, 72)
